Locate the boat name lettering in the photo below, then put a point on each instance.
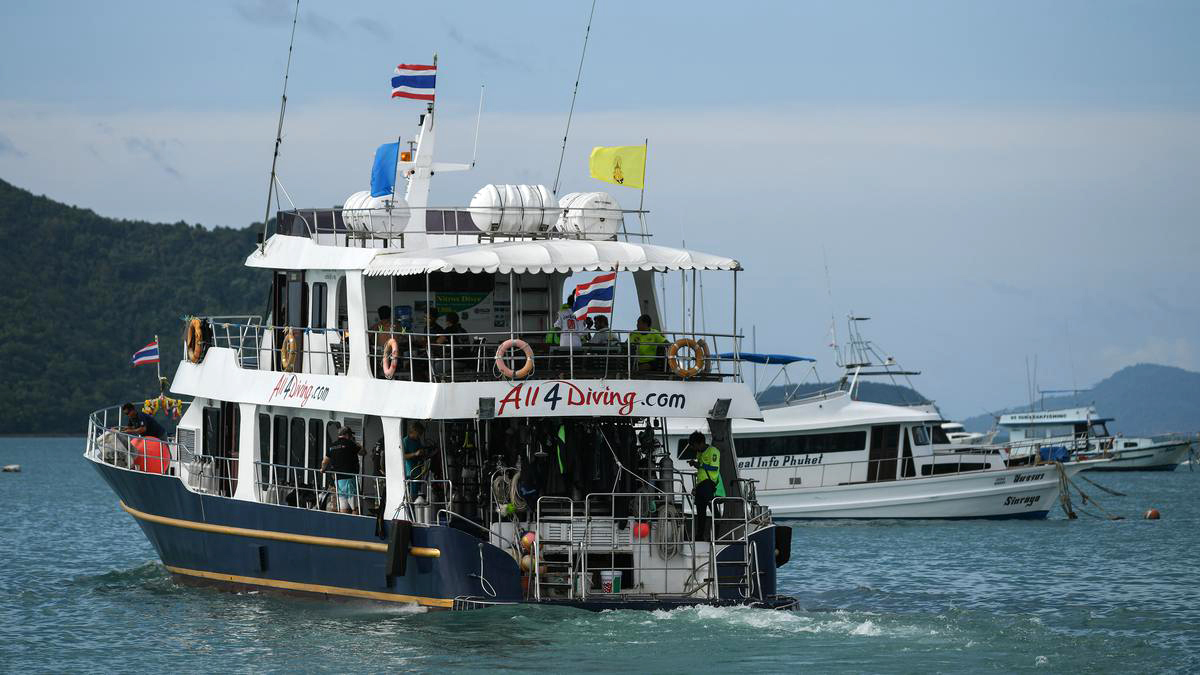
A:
(571, 395)
(291, 387)
(1023, 501)
(1025, 477)
(775, 461)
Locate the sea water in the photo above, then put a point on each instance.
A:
(81, 589)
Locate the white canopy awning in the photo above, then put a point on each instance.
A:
(546, 256)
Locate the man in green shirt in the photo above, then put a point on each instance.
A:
(708, 481)
(646, 344)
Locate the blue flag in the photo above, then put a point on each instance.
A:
(383, 174)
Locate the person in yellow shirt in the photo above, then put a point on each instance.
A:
(647, 344)
(707, 484)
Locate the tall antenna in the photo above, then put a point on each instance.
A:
(279, 131)
(574, 93)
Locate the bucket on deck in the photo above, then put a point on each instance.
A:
(610, 581)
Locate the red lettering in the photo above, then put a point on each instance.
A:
(575, 395)
(514, 397)
(627, 403)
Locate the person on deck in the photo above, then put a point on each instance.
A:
(415, 452)
(566, 327)
(140, 423)
(602, 335)
(381, 330)
(647, 343)
(708, 482)
(342, 457)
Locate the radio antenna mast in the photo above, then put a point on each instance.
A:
(574, 93)
(262, 244)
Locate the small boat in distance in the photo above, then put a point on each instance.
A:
(1085, 434)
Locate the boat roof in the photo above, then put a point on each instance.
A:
(1061, 416)
(545, 256)
(831, 411)
(766, 359)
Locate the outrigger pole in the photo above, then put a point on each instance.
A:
(262, 244)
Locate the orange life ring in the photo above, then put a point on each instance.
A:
(525, 369)
(389, 360)
(288, 351)
(697, 350)
(194, 340)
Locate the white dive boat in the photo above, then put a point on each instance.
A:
(957, 434)
(831, 456)
(543, 475)
(1085, 434)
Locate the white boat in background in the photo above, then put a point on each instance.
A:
(831, 456)
(957, 434)
(1084, 434)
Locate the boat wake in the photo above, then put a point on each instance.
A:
(840, 622)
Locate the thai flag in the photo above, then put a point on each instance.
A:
(596, 296)
(146, 355)
(411, 81)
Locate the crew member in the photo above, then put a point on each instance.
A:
(647, 342)
(140, 423)
(708, 481)
(566, 327)
(342, 457)
(414, 452)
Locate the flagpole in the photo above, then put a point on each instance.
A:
(642, 199)
(158, 364)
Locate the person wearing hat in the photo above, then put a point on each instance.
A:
(342, 458)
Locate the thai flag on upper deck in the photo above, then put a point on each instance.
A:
(411, 81)
(596, 296)
(146, 355)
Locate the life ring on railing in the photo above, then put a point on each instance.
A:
(288, 351)
(697, 351)
(525, 369)
(389, 360)
(193, 339)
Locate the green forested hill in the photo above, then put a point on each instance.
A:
(83, 292)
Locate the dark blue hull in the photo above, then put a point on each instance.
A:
(235, 543)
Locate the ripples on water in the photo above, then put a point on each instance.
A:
(83, 590)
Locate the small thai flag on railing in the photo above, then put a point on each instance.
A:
(596, 296)
(146, 355)
(411, 81)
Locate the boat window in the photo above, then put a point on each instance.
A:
(264, 446)
(296, 449)
(446, 281)
(945, 468)
(320, 297)
(212, 432)
(919, 436)
(804, 444)
(1129, 444)
(280, 448)
(906, 467)
(939, 435)
(1099, 429)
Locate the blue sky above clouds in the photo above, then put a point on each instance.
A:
(988, 180)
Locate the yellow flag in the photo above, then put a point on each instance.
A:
(620, 165)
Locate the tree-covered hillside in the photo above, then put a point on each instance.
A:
(1145, 399)
(83, 292)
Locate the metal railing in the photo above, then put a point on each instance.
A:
(259, 346)
(471, 357)
(310, 488)
(654, 552)
(107, 444)
(380, 227)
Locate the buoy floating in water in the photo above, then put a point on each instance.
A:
(12, 468)
(1153, 514)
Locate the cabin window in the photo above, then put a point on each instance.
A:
(906, 467)
(280, 448)
(212, 432)
(942, 469)
(264, 446)
(1129, 444)
(320, 299)
(316, 447)
(446, 281)
(296, 449)
(939, 435)
(804, 444)
(919, 436)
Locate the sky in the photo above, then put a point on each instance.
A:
(993, 183)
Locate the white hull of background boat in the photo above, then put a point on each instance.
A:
(1025, 492)
(1164, 457)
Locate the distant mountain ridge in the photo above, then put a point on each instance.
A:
(86, 291)
(1146, 399)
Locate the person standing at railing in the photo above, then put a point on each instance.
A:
(708, 483)
(382, 330)
(648, 344)
(453, 339)
(342, 457)
(602, 335)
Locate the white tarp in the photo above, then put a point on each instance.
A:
(545, 256)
